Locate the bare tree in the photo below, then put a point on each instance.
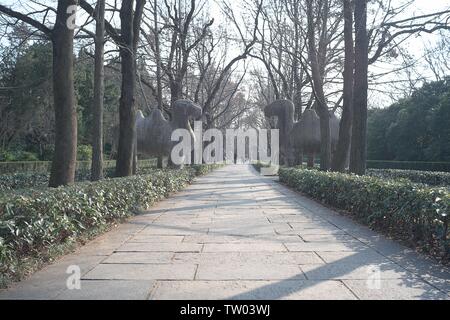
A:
(247, 48)
(179, 23)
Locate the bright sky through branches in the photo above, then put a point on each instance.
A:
(415, 45)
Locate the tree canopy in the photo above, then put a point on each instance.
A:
(415, 128)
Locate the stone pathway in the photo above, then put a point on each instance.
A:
(236, 235)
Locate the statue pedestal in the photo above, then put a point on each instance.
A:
(269, 171)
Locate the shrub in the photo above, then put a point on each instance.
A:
(400, 208)
(24, 166)
(35, 222)
(409, 165)
(44, 166)
(26, 156)
(17, 156)
(24, 180)
(6, 155)
(426, 177)
(84, 153)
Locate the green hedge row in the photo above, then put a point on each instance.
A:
(409, 165)
(45, 166)
(398, 208)
(431, 178)
(35, 223)
(25, 180)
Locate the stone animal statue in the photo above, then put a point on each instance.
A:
(283, 110)
(154, 132)
(299, 138)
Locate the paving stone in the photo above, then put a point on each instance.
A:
(158, 239)
(109, 290)
(256, 258)
(52, 280)
(212, 238)
(248, 271)
(161, 247)
(328, 238)
(252, 290)
(293, 218)
(323, 246)
(397, 289)
(142, 272)
(172, 230)
(365, 256)
(243, 247)
(289, 231)
(246, 230)
(348, 270)
(139, 257)
(313, 225)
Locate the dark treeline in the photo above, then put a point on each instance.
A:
(416, 128)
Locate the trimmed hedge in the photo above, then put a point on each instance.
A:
(35, 223)
(25, 180)
(45, 166)
(399, 208)
(426, 177)
(409, 165)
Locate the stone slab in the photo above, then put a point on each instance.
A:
(257, 258)
(160, 247)
(139, 257)
(397, 289)
(243, 247)
(252, 290)
(109, 290)
(141, 272)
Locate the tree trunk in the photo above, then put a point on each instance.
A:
(64, 160)
(176, 91)
(160, 162)
(310, 162)
(99, 91)
(322, 109)
(345, 127)
(127, 112)
(359, 129)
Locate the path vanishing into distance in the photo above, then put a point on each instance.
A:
(234, 234)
